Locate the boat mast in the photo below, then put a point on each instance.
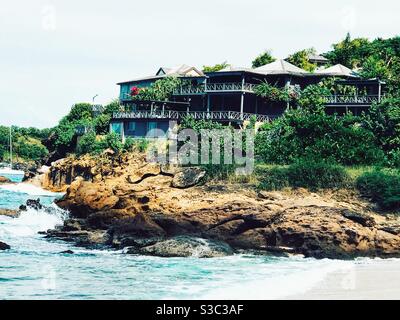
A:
(11, 159)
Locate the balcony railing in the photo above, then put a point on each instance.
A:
(215, 87)
(351, 100)
(197, 115)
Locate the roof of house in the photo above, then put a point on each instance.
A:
(235, 69)
(317, 57)
(338, 70)
(179, 71)
(280, 67)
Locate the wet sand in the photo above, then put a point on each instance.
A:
(377, 279)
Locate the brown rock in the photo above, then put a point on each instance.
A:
(186, 247)
(121, 200)
(4, 180)
(188, 177)
(148, 170)
(9, 213)
(362, 219)
(4, 246)
(85, 197)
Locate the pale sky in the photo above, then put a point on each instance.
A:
(54, 53)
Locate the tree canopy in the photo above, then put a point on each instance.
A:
(216, 67)
(379, 58)
(301, 59)
(263, 59)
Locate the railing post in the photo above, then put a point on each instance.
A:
(379, 92)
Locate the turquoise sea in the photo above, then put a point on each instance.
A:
(34, 268)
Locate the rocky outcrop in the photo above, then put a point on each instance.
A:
(183, 246)
(188, 177)
(4, 246)
(9, 213)
(29, 204)
(4, 180)
(128, 203)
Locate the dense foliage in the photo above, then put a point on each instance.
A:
(90, 143)
(160, 90)
(263, 59)
(301, 133)
(382, 187)
(216, 171)
(384, 121)
(27, 143)
(312, 98)
(215, 68)
(273, 93)
(379, 58)
(305, 173)
(301, 59)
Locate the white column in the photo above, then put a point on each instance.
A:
(379, 91)
(242, 98)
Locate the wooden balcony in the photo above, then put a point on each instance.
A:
(214, 87)
(197, 115)
(351, 100)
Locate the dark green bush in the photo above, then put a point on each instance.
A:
(303, 134)
(382, 187)
(314, 174)
(86, 144)
(30, 149)
(114, 142)
(89, 143)
(306, 173)
(136, 144)
(275, 178)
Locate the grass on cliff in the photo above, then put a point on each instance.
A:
(379, 185)
(308, 174)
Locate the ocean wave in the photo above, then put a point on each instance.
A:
(29, 189)
(276, 283)
(30, 222)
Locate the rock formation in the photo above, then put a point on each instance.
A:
(124, 202)
(4, 180)
(4, 246)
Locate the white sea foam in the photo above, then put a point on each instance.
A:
(30, 222)
(28, 189)
(276, 284)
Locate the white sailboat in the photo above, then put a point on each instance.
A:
(8, 170)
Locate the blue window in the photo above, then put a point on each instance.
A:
(151, 129)
(130, 128)
(116, 127)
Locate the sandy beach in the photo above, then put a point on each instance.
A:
(367, 280)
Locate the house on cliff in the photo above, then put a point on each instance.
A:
(228, 96)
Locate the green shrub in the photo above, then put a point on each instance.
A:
(305, 173)
(314, 174)
(136, 144)
(113, 142)
(90, 143)
(87, 144)
(303, 134)
(102, 123)
(273, 179)
(129, 144)
(142, 144)
(30, 149)
(382, 187)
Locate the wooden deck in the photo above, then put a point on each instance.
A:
(214, 87)
(197, 115)
(351, 101)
